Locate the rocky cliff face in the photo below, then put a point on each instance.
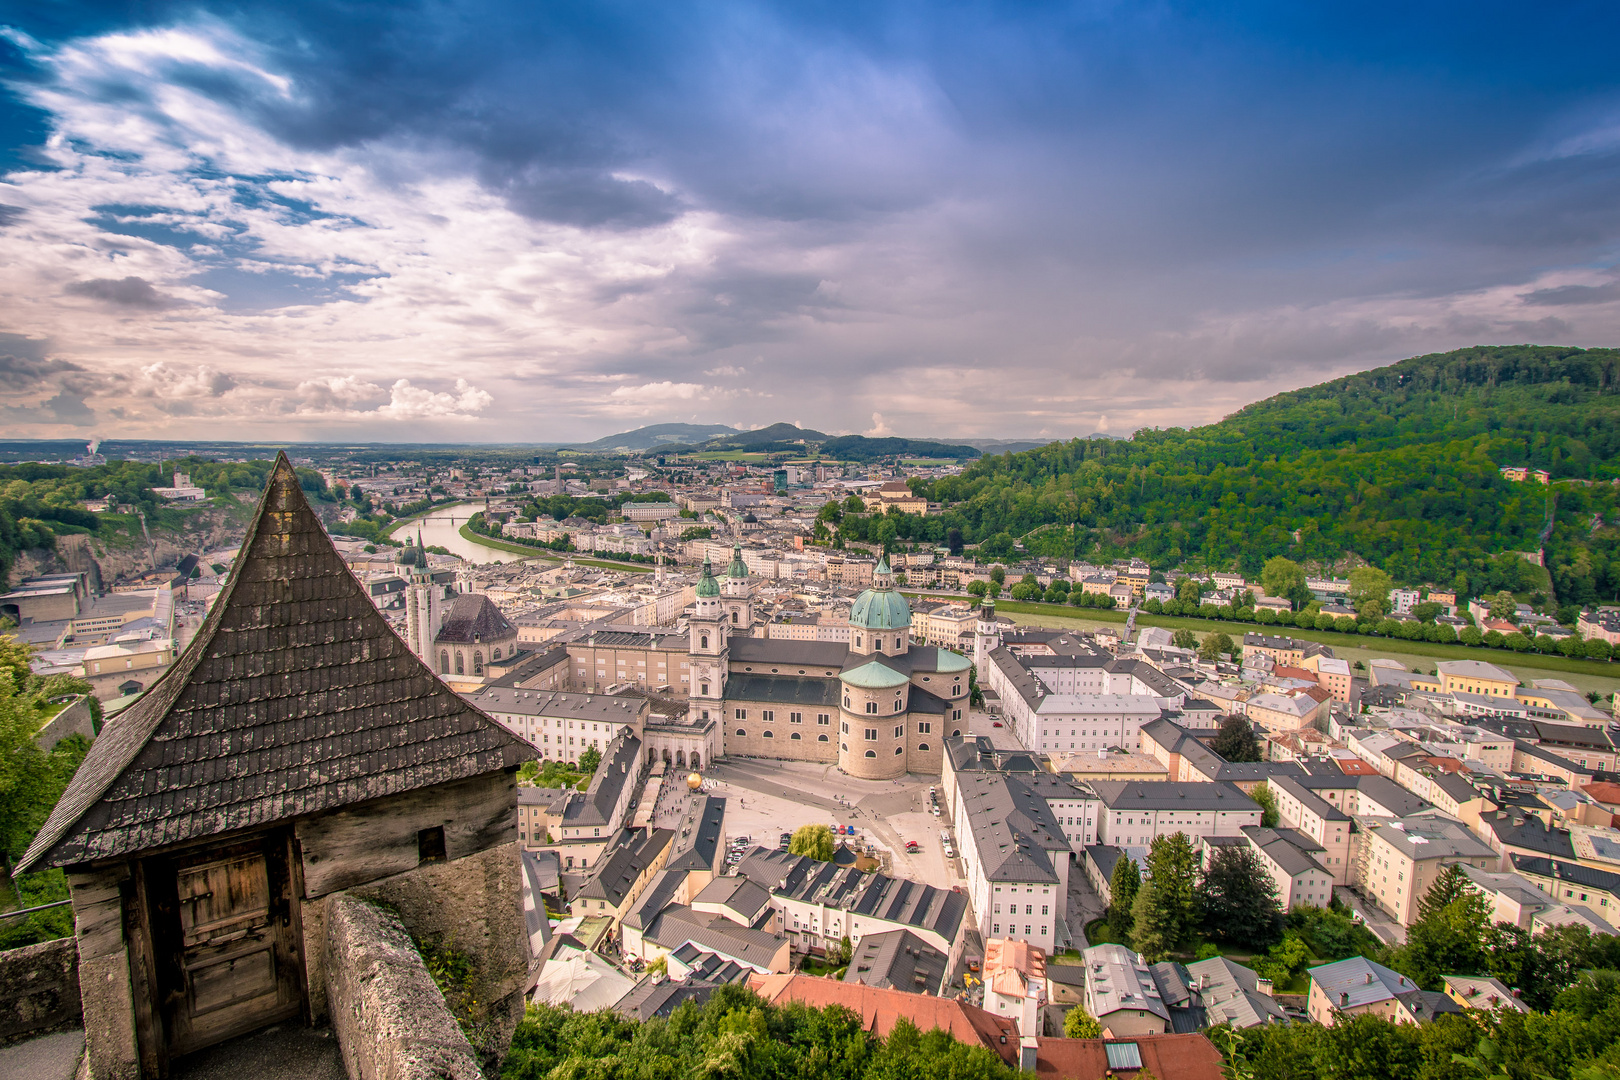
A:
(107, 563)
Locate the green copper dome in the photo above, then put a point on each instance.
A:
(880, 607)
(706, 585)
(874, 676)
(737, 569)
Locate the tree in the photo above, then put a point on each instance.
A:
(1172, 871)
(1284, 577)
(1450, 934)
(1215, 646)
(998, 575)
(1184, 639)
(1269, 815)
(1150, 930)
(1503, 605)
(1239, 900)
(589, 760)
(1123, 886)
(1235, 741)
(977, 588)
(815, 841)
(1079, 1024)
(1369, 584)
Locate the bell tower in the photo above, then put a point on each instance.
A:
(424, 609)
(708, 648)
(739, 595)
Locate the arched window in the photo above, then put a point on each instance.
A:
(956, 734)
(742, 732)
(821, 738)
(459, 663)
(898, 705)
(733, 617)
(444, 661)
(871, 753)
(703, 641)
(871, 707)
(857, 641)
(846, 701)
(922, 746)
(769, 734)
(496, 655)
(899, 750)
(795, 735)
(478, 662)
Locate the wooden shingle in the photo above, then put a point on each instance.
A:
(295, 697)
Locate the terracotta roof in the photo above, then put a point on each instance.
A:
(1184, 1057)
(1355, 767)
(879, 1010)
(1010, 965)
(295, 697)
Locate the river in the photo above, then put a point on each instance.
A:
(438, 530)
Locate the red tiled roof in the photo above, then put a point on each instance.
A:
(1606, 793)
(880, 1009)
(1172, 1057)
(1355, 767)
(1283, 671)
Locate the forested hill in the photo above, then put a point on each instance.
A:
(1396, 466)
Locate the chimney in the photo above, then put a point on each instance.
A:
(1344, 999)
(1369, 978)
(1263, 986)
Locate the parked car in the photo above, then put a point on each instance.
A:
(912, 845)
(995, 723)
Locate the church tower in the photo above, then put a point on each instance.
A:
(986, 634)
(709, 654)
(424, 608)
(739, 595)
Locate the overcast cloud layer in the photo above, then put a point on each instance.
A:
(537, 222)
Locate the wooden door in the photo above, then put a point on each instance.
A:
(228, 932)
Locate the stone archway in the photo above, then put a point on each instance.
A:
(695, 762)
(680, 759)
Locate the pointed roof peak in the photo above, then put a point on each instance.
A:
(275, 710)
(706, 585)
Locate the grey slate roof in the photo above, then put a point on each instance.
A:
(473, 617)
(898, 900)
(1527, 831)
(621, 765)
(897, 960)
(651, 998)
(294, 698)
(1347, 985)
(1171, 795)
(784, 690)
(697, 837)
(632, 851)
(1014, 830)
(1574, 872)
(678, 924)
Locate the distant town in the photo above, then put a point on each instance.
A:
(763, 750)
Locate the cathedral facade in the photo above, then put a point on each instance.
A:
(878, 707)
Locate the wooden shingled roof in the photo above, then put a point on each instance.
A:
(295, 697)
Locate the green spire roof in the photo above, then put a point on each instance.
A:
(737, 569)
(706, 585)
(883, 564)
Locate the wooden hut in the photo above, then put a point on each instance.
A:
(296, 750)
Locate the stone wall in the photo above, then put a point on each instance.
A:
(76, 719)
(473, 905)
(390, 1019)
(39, 989)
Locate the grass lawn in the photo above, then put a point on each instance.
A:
(812, 966)
(1600, 675)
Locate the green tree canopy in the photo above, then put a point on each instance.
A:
(1235, 741)
(1172, 872)
(1240, 903)
(815, 841)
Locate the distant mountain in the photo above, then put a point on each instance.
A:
(861, 448)
(776, 433)
(645, 438)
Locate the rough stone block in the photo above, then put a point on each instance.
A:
(39, 988)
(391, 1020)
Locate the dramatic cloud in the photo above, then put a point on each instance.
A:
(338, 221)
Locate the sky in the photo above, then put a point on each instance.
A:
(481, 221)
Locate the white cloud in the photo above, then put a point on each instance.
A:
(407, 402)
(879, 428)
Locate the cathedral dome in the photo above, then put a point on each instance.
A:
(880, 607)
